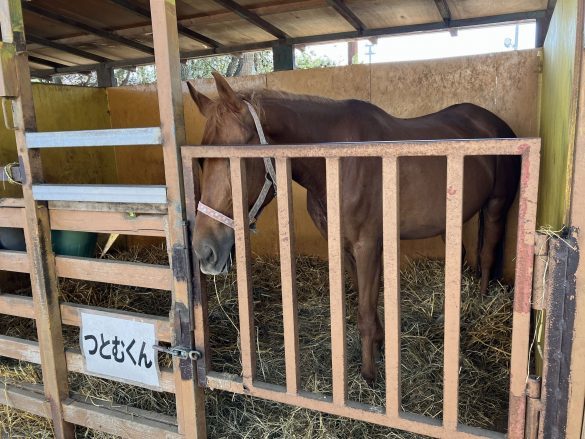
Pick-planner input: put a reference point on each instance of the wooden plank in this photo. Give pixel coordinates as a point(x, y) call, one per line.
point(15, 261)
point(109, 207)
point(117, 420)
point(108, 137)
point(523, 291)
point(115, 272)
point(364, 149)
point(190, 398)
point(336, 281)
point(243, 258)
point(19, 349)
point(453, 242)
point(124, 223)
point(391, 245)
point(12, 202)
point(44, 284)
point(18, 306)
point(20, 398)
point(12, 217)
point(103, 416)
point(71, 313)
point(100, 193)
point(410, 422)
point(286, 231)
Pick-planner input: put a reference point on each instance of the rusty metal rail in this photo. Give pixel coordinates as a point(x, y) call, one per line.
point(338, 404)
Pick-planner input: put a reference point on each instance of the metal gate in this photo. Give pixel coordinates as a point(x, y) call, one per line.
point(391, 416)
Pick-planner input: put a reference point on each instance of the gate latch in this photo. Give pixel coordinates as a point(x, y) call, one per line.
point(179, 351)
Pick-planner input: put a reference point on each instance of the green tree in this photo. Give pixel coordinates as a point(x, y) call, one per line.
point(308, 59)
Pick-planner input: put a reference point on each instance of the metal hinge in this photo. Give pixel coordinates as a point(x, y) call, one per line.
point(181, 352)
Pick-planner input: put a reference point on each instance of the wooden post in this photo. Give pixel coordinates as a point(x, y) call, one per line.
point(37, 230)
point(283, 57)
point(105, 76)
point(190, 398)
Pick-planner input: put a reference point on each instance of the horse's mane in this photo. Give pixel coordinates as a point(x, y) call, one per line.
point(257, 97)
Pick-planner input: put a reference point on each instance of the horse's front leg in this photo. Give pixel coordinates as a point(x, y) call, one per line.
point(368, 262)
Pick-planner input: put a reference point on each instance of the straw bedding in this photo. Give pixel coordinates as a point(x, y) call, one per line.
point(484, 358)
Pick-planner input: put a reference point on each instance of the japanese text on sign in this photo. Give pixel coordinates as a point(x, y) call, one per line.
point(119, 349)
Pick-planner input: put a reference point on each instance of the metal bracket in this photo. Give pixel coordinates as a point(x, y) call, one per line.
point(12, 173)
point(181, 352)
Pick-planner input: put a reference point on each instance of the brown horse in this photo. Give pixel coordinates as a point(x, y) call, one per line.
point(490, 183)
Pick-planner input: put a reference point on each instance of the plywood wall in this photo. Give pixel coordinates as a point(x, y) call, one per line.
point(506, 83)
point(66, 108)
point(562, 52)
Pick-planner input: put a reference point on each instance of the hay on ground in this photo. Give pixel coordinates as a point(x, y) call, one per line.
point(484, 358)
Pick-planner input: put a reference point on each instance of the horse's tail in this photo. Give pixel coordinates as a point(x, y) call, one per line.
point(498, 266)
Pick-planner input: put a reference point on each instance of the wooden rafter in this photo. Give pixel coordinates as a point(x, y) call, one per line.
point(183, 30)
point(444, 10)
point(349, 16)
point(65, 48)
point(532, 15)
point(252, 17)
point(46, 62)
point(88, 28)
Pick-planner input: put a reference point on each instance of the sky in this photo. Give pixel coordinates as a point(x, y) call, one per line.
point(438, 44)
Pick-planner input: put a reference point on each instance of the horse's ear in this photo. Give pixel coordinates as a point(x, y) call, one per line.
point(202, 101)
point(226, 93)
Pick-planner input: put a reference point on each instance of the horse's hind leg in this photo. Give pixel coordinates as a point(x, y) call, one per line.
point(368, 265)
point(495, 212)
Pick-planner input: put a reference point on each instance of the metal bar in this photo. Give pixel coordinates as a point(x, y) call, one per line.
point(44, 285)
point(409, 422)
point(65, 48)
point(100, 193)
point(376, 149)
point(192, 196)
point(469, 22)
point(86, 27)
point(109, 137)
point(336, 281)
point(183, 30)
point(391, 245)
point(523, 290)
point(286, 232)
point(453, 242)
point(243, 258)
point(349, 16)
point(252, 17)
point(190, 399)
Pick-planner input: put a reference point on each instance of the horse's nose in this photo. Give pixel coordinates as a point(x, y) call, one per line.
point(206, 254)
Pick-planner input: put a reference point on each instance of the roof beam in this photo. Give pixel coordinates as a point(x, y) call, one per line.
point(344, 10)
point(183, 30)
point(505, 18)
point(252, 17)
point(46, 62)
point(88, 28)
point(444, 10)
point(65, 48)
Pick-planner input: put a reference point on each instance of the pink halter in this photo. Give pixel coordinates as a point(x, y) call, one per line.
point(270, 180)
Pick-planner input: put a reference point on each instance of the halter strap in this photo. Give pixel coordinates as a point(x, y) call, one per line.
point(269, 181)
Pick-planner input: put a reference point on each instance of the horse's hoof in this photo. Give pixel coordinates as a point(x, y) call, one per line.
point(369, 378)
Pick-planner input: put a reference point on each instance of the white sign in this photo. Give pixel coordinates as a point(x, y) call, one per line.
point(119, 349)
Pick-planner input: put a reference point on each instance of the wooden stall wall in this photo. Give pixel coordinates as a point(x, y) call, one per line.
point(505, 83)
point(59, 108)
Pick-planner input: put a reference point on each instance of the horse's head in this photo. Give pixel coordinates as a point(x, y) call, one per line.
point(229, 121)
